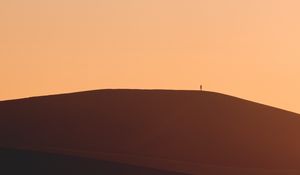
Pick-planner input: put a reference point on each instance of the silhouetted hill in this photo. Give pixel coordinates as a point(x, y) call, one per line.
point(184, 131)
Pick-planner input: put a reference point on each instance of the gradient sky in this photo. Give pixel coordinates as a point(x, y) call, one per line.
point(246, 48)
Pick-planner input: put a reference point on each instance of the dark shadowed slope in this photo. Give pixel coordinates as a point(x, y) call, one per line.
point(184, 131)
point(17, 162)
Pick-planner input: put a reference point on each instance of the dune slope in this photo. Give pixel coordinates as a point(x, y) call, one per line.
point(16, 162)
point(185, 131)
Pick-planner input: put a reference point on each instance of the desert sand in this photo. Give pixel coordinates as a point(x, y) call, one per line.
point(163, 131)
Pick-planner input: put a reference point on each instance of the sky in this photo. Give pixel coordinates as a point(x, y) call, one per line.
point(249, 49)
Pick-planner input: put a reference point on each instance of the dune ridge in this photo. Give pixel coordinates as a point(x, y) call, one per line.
point(190, 132)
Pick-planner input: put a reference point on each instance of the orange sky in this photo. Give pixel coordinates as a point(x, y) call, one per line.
point(244, 48)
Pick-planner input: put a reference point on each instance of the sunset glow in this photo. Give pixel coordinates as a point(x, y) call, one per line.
point(249, 49)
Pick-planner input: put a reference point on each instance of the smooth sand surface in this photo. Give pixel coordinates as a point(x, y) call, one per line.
point(192, 132)
point(16, 162)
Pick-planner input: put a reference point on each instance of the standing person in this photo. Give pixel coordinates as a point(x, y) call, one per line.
point(201, 87)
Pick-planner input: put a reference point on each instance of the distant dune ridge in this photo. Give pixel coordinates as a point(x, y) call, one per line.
point(192, 132)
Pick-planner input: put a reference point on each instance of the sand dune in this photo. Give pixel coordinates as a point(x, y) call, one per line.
point(183, 131)
point(39, 163)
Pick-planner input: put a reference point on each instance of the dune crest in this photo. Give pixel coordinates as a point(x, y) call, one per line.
point(184, 131)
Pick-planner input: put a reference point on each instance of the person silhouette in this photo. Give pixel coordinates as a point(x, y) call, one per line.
point(201, 87)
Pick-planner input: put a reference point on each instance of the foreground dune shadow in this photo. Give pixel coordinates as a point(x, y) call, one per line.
point(17, 162)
